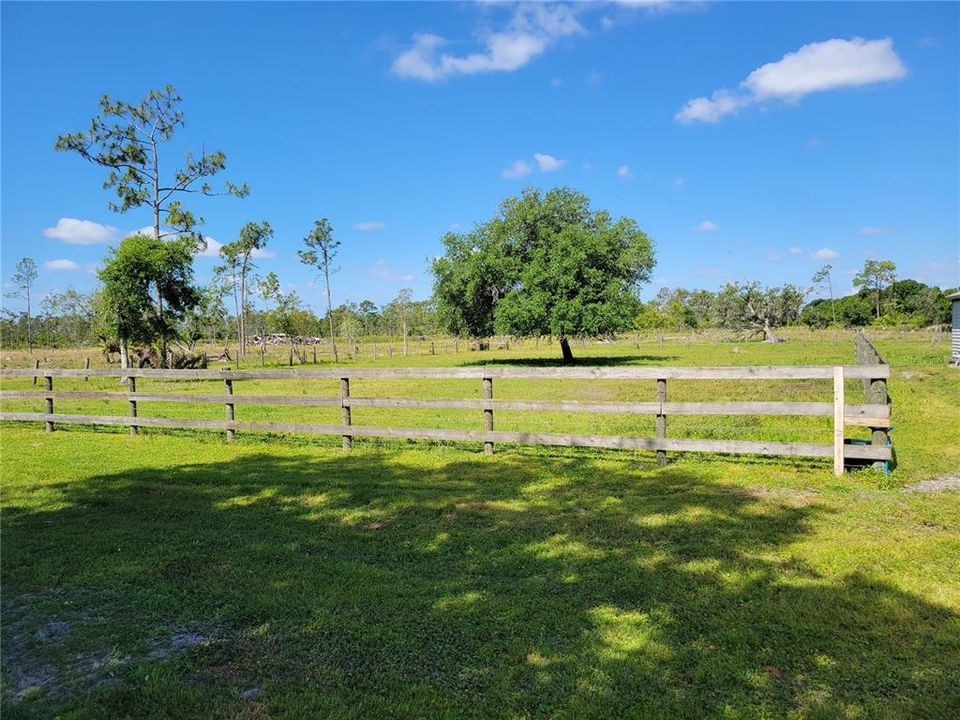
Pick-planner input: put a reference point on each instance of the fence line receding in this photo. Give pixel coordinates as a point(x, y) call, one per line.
point(874, 414)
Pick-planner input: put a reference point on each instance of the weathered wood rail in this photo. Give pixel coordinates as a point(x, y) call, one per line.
point(871, 414)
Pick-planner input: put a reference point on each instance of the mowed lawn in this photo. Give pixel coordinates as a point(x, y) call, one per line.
point(174, 575)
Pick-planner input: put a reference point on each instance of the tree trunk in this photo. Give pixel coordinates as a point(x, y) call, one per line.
point(29, 324)
point(124, 354)
point(567, 352)
point(333, 342)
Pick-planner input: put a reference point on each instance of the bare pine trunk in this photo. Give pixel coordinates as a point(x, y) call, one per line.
point(333, 342)
point(124, 354)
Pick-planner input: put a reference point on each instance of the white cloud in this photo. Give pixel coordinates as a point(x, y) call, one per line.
point(816, 67)
point(774, 255)
point(707, 226)
point(794, 250)
point(81, 232)
point(623, 171)
point(367, 225)
point(211, 249)
point(61, 265)
point(825, 254)
point(263, 254)
point(678, 182)
point(556, 82)
point(872, 230)
point(710, 110)
point(531, 30)
point(548, 163)
point(814, 144)
point(517, 169)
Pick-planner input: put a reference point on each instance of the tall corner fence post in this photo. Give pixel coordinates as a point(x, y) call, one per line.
point(838, 420)
point(132, 390)
point(661, 420)
point(875, 389)
point(36, 366)
point(347, 440)
point(488, 413)
point(229, 408)
point(48, 386)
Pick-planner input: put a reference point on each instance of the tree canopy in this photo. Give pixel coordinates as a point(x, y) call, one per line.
point(128, 139)
point(147, 289)
point(545, 264)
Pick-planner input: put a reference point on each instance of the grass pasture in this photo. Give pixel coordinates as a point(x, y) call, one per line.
point(174, 575)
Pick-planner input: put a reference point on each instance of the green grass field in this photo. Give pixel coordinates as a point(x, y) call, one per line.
point(173, 575)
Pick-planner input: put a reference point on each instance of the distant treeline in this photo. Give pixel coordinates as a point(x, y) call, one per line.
point(75, 319)
point(903, 303)
point(72, 318)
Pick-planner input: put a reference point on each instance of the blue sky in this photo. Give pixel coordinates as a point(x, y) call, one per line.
point(749, 140)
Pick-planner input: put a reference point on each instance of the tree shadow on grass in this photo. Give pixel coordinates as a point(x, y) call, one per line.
point(589, 361)
point(376, 584)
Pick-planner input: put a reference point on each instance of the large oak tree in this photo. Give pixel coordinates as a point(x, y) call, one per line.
point(545, 264)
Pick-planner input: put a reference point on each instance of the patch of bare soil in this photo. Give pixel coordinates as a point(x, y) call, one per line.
point(52, 649)
point(940, 484)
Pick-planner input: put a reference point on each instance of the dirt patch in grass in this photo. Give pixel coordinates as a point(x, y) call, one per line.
point(48, 650)
point(940, 484)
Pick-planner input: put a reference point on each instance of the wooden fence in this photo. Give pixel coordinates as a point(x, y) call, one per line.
point(871, 414)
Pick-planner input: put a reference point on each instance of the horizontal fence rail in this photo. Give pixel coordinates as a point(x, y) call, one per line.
point(871, 414)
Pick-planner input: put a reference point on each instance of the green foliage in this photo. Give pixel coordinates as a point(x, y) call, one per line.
point(757, 309)
point(22, 280)
point(875, 276)
point(320, 253)
point(546, 264)
point(127, 138)
point(908, 303)
point(147, 287)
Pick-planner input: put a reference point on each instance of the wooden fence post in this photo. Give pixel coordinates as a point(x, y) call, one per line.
point(661, 420)
point(838, 420)
point(874, 389)
point(488, 413)
point(48, 385)
point(345, 410)
point(231, 433)
point(86, 366)
point(132, 388)
point(36, 366)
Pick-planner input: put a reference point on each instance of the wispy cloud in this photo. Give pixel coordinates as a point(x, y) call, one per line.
point(794, 250)
point(872, 230)
point(368, 225)
point(825, 254)
point(548, 163)
point(623, 171)
point(814, 144)
point(530, 31)
point(61, 265)
point(815, 67)
point(81, 232)
point(541, 163)
point(707, 226)
point(517, 169)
